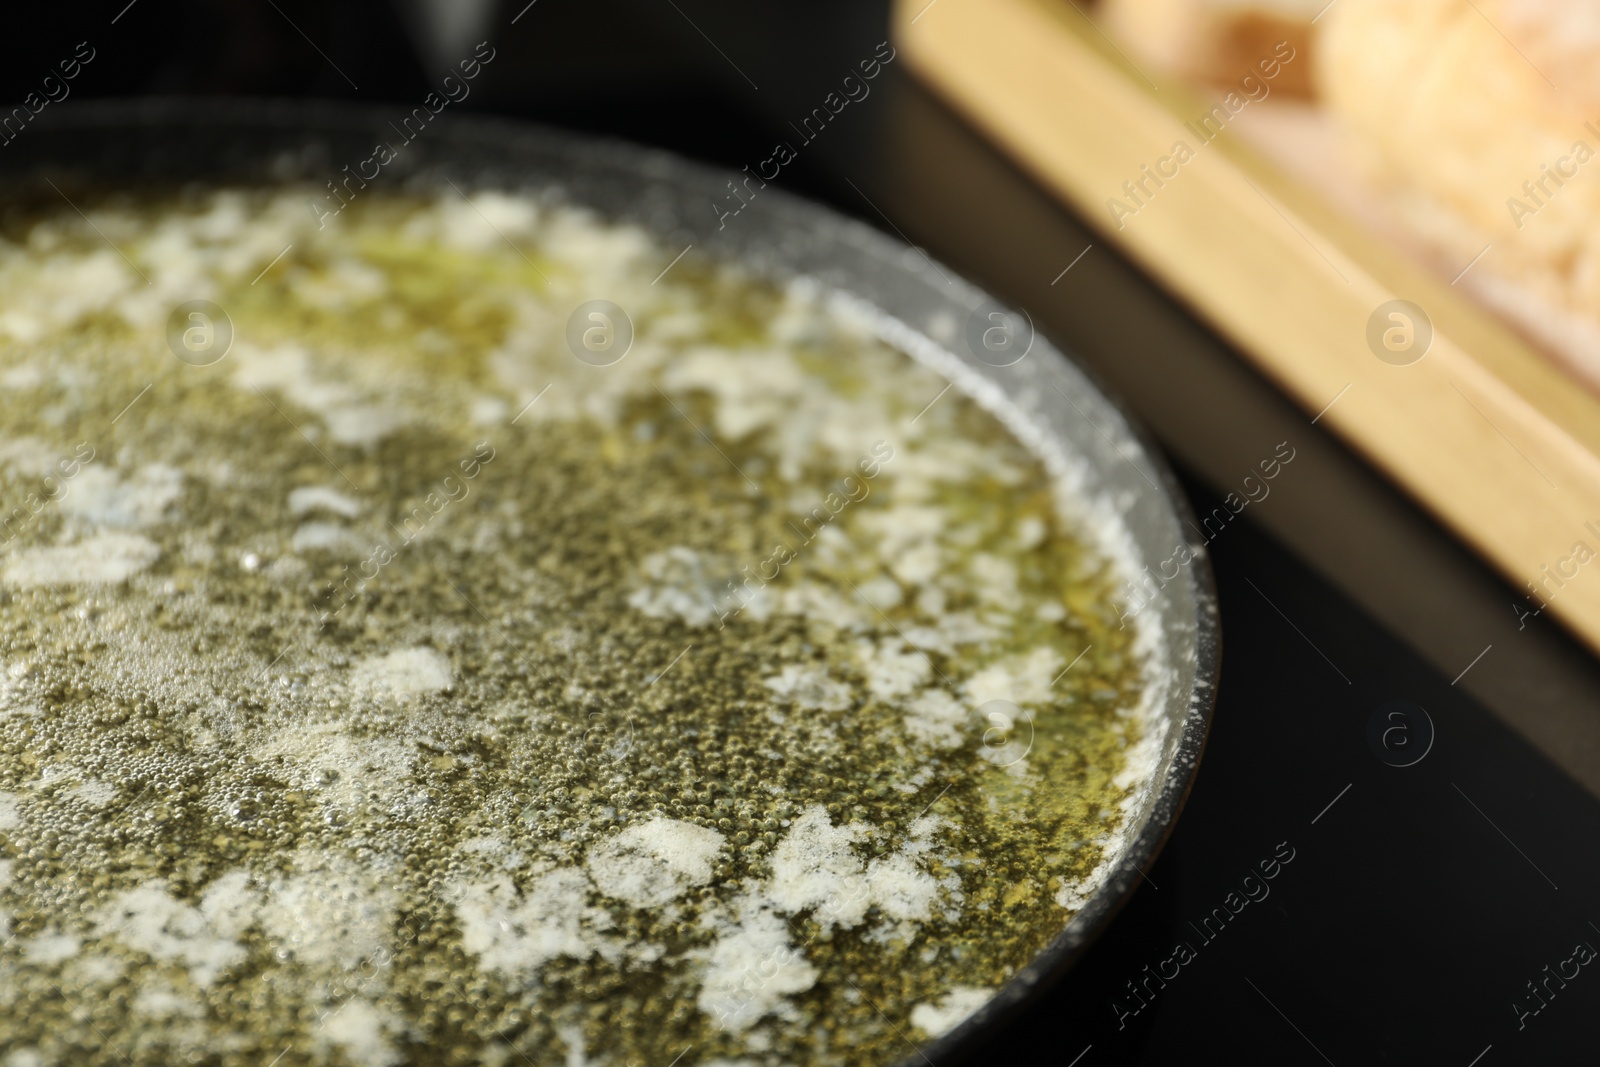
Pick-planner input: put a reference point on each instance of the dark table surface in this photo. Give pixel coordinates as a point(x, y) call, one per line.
point(1439, 911)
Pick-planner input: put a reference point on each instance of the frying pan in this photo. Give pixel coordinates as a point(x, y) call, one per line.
point(919, 305)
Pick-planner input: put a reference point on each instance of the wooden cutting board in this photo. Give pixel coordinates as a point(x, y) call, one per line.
point(1497, 442)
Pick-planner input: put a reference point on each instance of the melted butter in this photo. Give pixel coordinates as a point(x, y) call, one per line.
point(402, 689)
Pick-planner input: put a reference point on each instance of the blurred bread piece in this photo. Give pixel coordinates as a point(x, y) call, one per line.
point(1217, 41)
point(1451, 109)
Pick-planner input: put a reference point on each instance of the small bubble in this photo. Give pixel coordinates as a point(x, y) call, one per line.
point(250, 562)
